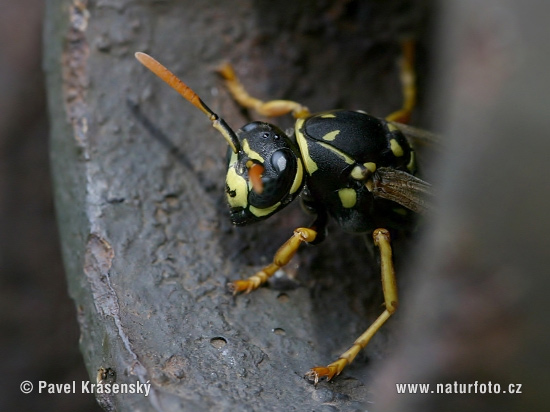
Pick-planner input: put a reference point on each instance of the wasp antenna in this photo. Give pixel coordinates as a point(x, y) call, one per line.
point(188, 94)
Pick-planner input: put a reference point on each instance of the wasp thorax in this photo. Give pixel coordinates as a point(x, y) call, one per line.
point(282, 177)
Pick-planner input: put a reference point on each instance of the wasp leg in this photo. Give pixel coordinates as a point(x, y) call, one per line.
point(281, 258)
point(408, 80)
point(271, 108)
point(389, 286)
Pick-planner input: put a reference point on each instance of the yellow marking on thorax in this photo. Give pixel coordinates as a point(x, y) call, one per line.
point(391, 127)
point(327, 116)
point(334, 150)
point(309, 163)
point(348, 197)
point(396, 148)
point(359, 172)
point(369, 184)
point(371, 166)
point(411, 166)
point(329, 137)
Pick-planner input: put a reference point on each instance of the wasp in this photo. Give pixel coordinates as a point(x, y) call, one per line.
point(346, 165)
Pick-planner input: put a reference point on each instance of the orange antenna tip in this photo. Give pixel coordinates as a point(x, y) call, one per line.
point(188, 94)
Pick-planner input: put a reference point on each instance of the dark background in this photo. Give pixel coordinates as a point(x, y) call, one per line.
point(38, 329)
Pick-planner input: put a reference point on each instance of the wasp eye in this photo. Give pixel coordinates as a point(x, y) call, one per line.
point(265, 135)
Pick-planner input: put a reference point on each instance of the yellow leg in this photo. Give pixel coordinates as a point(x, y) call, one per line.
point(281, 258)
point(389, 286)
point(270, 108)
point(408, 80)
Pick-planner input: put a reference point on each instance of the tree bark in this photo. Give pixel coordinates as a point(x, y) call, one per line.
point(139, 187)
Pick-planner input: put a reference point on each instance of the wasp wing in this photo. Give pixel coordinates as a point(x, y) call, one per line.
point(419, 138)
point(403, 188)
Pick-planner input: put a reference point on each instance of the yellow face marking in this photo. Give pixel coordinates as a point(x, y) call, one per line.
point(251, 153)
point(310, 164)
point(348, 197)
point(329, 137)
point(298, 178)
point(412, 163)
point(328, 116)
point(265, 211)
point(344, 156)
point(396, 148)
point(238, 185)
point(233, 159)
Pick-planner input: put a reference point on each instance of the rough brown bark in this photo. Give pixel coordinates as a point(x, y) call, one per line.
point(139, 189)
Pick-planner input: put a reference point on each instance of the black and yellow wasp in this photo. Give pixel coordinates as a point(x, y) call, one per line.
point(348, 165)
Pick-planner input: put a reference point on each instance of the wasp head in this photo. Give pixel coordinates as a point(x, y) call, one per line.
point(264, 175)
